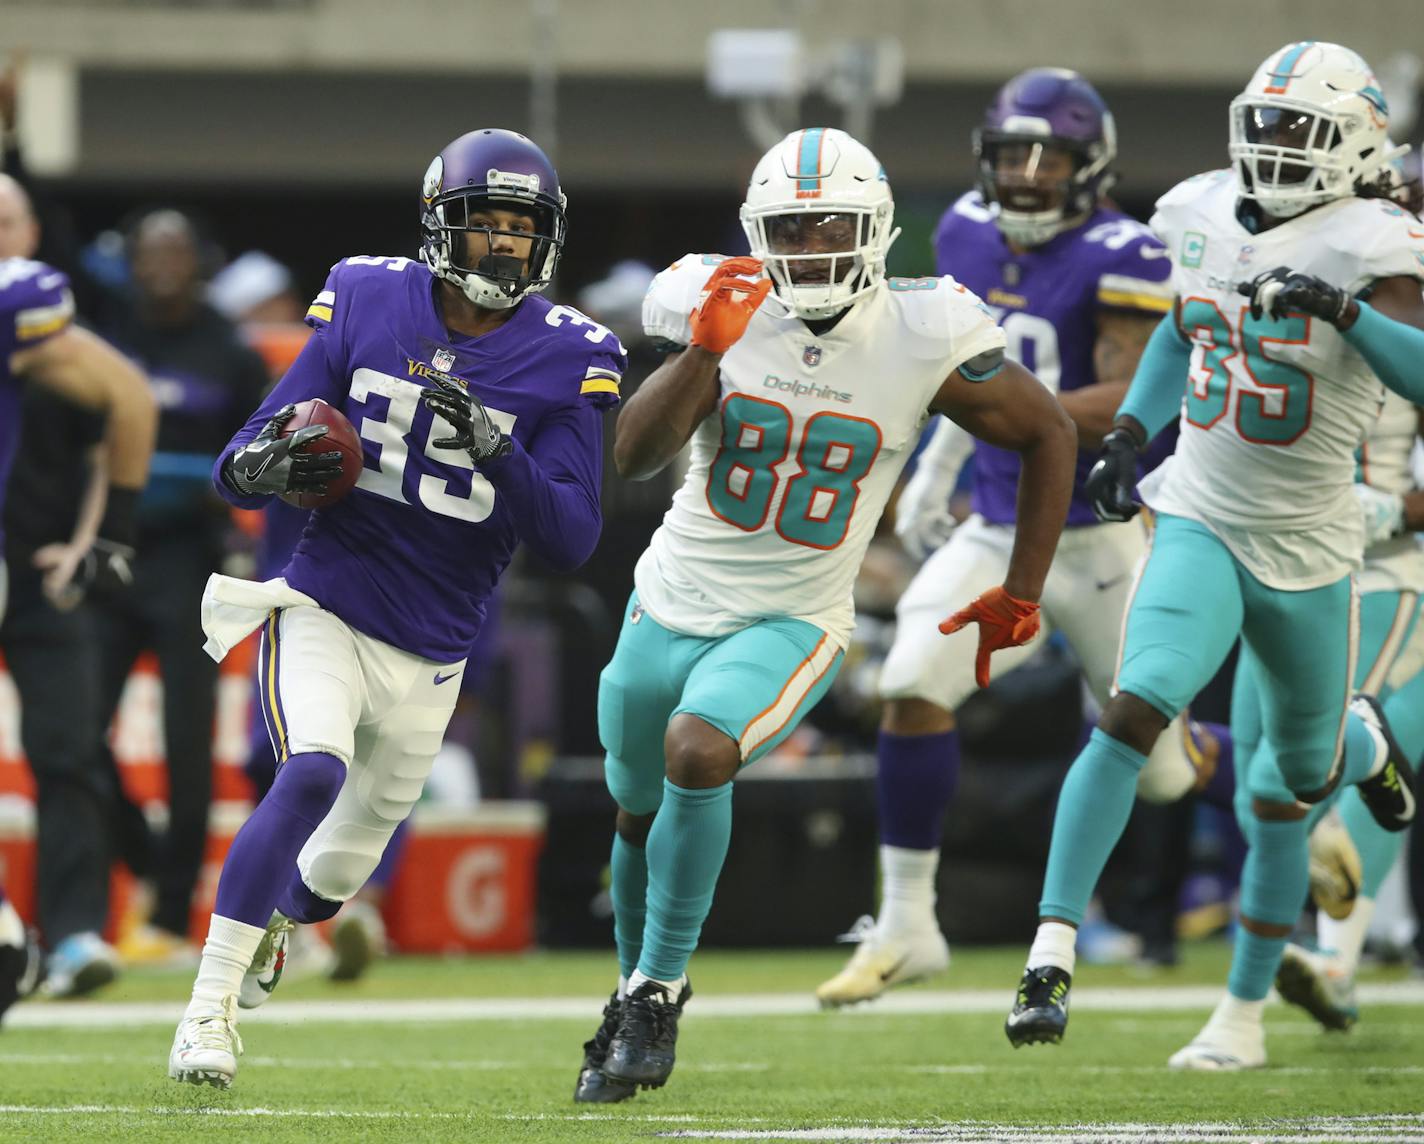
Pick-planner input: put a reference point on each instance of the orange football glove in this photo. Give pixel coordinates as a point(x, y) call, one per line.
point(727, 304)
point(1004, 621)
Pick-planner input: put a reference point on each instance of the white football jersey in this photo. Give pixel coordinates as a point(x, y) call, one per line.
point(790, 475)
point(1274, 409)
point(1396, 564)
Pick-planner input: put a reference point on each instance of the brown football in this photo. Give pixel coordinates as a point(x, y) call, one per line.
point(340, 435)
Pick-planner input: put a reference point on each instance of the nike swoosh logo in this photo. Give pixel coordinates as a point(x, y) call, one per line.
point(1104, 585)
point(439, 679)
point(894, 969)
point(251, 475)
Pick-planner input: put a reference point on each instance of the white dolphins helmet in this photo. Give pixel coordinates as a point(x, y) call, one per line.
point(1308, 129)
point(819, 213)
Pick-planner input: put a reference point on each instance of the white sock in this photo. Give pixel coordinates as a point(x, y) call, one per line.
point(622, 987)
point(227, 954)
point(1234, 1015)
point(12, 926)
point(1053, 944)
point(1345, 939)
point(671, 988)
point(907, 903)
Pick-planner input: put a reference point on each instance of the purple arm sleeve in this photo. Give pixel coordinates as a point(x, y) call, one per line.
point(311, 375)
point(552, 487)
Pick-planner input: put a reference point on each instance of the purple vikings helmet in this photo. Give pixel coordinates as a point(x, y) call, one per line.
point(490, 169)
point(1038, 109)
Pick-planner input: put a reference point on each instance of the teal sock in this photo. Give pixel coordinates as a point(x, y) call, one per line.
point(1093, 809)
point(686, 848)
point(1274, 883)
point(1359, 751)
point(1378, 847)
point(628, 869)
point(1254, 961)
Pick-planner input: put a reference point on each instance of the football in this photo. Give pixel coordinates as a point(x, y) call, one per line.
point(340, 435)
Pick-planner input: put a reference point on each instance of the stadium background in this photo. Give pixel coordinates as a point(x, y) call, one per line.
point(301, 128)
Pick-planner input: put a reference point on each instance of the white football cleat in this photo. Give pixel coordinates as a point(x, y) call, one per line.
point(267, 963)
point(1220, 1049)
point(206, 1048)
point(1320, 985)
point(882, 962)
point(1335, 872)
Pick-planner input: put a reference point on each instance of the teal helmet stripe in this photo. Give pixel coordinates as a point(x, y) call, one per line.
point(1284, 71)
point(1376, 97)
point(808, 160)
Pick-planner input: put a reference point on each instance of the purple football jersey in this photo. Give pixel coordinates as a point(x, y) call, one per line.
point(35, 305)
point(1047, 300)
point(412, 555)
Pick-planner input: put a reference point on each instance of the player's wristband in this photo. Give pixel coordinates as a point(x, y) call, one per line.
point(120, 512)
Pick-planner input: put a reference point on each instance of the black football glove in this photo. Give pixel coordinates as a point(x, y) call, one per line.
point(107, 569)
point(1112, 480)
point(1279, 291)
point(271, 464)
point(475, 430)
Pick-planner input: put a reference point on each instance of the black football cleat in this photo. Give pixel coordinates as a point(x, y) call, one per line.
point(644, 1046)
point(1388, 795)
point(21, 970)
point(593, 1087)
point(1040, 1013)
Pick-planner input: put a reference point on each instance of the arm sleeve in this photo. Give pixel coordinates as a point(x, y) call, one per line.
point(1155, 396)
point(1394, 350)
point(311, 375)
point(552, 487)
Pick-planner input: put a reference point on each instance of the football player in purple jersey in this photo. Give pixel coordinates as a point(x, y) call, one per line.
point(479, 404)
point(1078, 287)
point(39, 342)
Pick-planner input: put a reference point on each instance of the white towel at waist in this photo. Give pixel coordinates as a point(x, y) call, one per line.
point(233, 609)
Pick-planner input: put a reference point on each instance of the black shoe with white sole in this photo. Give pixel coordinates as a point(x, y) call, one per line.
point(1389, 794)
point(1040, 1013)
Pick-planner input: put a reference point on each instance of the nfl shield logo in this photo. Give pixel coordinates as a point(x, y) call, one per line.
point(812, 356)
point(443, 360)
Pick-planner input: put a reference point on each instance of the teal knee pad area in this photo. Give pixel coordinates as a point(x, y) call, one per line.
point(1184, 616)
point(686, 848)
point(1093, 809)
point(636, 694)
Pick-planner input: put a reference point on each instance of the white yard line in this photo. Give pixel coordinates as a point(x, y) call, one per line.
point(1399, 1129)
point(95, 1014)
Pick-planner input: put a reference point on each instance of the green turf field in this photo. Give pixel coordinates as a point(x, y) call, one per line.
point(440, 1050)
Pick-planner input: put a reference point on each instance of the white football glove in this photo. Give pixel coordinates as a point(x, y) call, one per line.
point(923, 521)
point(1383, 512)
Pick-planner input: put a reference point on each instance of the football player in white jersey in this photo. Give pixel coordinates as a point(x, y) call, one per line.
point(1258, 530)
point(1081, 286)
point(803, 378)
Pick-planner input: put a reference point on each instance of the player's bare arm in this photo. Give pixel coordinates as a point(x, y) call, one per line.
point(657, 421)
point(88, 371)
point(661, 417)
point(1014, 411)
point(1121, 339)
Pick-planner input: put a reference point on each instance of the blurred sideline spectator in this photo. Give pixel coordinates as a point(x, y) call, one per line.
point(205, 378)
